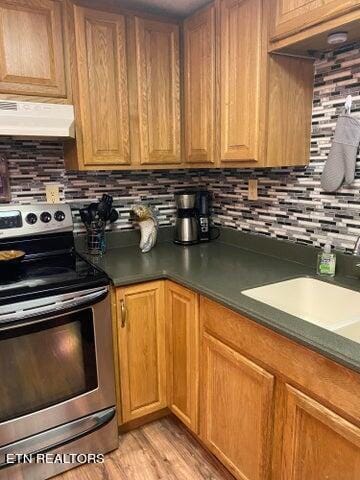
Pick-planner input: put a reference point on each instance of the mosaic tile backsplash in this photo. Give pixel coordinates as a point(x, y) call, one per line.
point(291, 204)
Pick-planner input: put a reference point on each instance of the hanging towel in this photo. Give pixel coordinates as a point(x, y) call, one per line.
point(341, 161)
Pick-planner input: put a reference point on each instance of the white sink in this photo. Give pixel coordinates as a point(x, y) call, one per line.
point(328, 306)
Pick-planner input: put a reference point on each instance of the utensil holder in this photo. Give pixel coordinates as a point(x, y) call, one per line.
point(96, 238)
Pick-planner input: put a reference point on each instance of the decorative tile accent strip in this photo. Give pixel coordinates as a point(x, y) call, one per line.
point(291, 204)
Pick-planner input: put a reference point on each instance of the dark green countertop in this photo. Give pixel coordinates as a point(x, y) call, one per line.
point(221, 271)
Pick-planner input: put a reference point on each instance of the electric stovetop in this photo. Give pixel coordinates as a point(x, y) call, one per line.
point(51, 266)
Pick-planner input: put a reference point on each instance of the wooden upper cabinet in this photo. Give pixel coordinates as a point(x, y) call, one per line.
point(236, 410)
point(182, 320)
point(32, 59)
point(141, 329)
point(290, 110)
point(293, 16)
point(126, 85)
point(240, 79)
point(199, 78)
point(318, 444)
point(158, 84)
point(102, 87)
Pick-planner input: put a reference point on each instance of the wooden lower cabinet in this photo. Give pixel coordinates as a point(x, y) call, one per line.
point(182, 322)
point(318, 444)
point(141, 339)
point(236, 410)
point(259, 425)
point(265, 406)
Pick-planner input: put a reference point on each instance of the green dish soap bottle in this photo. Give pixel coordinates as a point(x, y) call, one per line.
point(326, 262)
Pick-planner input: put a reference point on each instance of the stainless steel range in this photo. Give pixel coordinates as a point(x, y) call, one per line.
point(57, 393)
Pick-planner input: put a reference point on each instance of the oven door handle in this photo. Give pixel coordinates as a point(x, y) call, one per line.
point(52, 305)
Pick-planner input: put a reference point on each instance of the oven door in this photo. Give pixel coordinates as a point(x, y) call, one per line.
point(56, 363)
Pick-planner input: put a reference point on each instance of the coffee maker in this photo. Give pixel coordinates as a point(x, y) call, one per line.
point(203, 213)
point(186, 225)
point(193, 217)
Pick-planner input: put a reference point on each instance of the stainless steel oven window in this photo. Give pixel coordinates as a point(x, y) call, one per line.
point(46, 363)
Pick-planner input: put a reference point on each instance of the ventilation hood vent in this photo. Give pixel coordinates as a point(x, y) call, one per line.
point(25, 119)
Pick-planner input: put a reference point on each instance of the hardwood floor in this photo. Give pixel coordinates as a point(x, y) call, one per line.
point(163, 449)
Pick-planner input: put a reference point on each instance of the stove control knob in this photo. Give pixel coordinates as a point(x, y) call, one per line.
point(45, 217)
point(31, 218)
point(59, 216)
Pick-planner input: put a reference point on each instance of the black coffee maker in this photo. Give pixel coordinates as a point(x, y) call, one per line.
point(203, 214)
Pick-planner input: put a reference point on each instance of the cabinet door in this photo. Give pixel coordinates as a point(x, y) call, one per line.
point(142, 349)
point(290, 111)
point(32, 49)
point(292, 16)
point(199, 74)
point(236, 410)
point(102, 87)
point(240, 78)
point(182, 321)
point(157, 58)
point(318, 444)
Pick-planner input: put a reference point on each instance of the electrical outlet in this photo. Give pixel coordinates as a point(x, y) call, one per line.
point(253, 189)
point(52, 193)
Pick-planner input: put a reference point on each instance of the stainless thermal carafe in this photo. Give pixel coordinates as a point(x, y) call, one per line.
point(186, 225)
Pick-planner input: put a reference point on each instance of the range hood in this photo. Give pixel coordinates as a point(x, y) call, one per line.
point(26, 119)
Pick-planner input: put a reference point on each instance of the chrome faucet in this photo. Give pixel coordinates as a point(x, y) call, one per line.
point(356, 249)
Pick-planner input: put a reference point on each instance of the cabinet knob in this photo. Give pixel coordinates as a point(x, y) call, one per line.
point(123, 313)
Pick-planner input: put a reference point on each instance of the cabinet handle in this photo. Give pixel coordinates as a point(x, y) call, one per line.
point(123, 313)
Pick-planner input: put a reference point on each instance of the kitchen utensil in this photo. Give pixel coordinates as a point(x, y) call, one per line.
point(93, 211)
point(85, 216)
point(113, 216)
point(108, 199)
point(104, 210)
point(104, 207)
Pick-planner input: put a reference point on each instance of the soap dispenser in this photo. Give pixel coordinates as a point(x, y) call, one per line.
point(326, 262)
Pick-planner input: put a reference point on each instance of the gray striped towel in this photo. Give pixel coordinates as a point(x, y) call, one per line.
point(341, 161)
